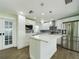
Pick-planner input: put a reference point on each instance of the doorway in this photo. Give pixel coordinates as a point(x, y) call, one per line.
point(6, 33)
point(71, 38)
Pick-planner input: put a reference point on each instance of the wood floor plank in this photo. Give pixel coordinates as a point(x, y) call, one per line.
point(14, 53)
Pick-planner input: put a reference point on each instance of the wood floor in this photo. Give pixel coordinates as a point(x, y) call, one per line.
point(65, 54)
point(13, 53)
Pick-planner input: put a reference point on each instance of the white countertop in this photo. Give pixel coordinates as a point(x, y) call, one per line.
point(46, 37)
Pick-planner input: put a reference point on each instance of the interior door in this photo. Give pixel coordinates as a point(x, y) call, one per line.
point(7, 34)
point(1, 41)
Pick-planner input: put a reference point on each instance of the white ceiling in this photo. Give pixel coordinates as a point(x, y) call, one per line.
point(58, 7)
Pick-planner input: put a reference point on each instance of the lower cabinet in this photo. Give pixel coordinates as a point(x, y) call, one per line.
point(41, 49)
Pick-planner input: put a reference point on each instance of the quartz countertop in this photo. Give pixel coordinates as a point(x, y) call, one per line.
point(46, 37)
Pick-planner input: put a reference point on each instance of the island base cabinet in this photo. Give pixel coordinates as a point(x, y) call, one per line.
point(41, 49)
point(34, 49)
point(47, 49)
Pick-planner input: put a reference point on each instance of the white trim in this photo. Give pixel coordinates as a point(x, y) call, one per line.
point(4, 17)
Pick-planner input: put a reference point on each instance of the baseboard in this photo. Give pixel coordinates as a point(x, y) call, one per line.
point(20, 47)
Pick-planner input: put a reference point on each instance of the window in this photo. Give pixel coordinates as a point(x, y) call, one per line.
point(68, 1)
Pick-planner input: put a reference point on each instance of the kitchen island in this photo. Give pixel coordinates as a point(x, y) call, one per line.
point(43, 46)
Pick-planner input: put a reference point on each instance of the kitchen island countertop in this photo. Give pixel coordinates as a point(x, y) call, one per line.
point(46, 36)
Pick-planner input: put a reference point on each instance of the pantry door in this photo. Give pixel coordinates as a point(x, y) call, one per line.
point(7, 34)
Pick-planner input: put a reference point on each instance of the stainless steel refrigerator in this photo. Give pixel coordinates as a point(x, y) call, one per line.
point(70, 39)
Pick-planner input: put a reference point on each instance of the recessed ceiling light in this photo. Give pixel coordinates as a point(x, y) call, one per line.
point(50, 11)
point(42, 4)
point(42, 13)
point(31, 11)
point(34, 17)
point(21, 12)
point(42, 21)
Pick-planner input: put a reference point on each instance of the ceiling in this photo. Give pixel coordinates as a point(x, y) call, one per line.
point(58, 7)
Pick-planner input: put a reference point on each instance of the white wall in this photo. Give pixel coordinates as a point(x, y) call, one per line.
point(21, 32)
point(59, 23)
